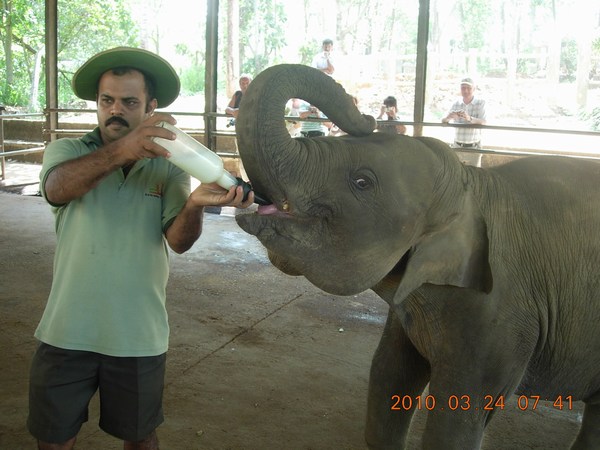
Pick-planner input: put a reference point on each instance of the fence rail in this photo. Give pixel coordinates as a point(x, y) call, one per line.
point(210, 135)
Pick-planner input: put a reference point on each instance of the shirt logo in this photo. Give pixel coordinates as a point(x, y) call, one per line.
point(155, 191)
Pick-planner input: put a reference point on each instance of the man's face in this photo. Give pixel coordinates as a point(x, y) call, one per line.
point(327, 47)
point(122, 104)
point(466, 91)
point(244, 82)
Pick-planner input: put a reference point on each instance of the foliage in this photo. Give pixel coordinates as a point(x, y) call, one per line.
point(475, 15)
point(192, 77)
point(192, 80)
point(596, 46)
point(84, 29)
point(262, 34)
point(568, 60)
point(593, 117)
point(307, 51)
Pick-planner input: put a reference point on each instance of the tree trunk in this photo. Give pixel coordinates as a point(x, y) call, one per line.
point(8, 43)
point(233, 46)
point(584, 52)
point(35, 80)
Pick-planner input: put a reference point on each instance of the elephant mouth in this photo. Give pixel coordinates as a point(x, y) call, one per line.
point(273, 210)
point(277, 227)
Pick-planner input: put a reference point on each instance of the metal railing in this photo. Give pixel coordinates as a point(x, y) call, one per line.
point(211, 133)
point(4, 154)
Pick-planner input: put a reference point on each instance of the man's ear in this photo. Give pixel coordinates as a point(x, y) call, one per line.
point(151, 106)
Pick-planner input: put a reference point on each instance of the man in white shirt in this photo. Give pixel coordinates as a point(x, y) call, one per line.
point(323, 60)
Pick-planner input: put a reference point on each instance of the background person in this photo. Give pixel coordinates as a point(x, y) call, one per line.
point(118, 203)
point(292, 109)
point(467, 110)
point(323, 60)
point(390, 110)
point(233, 107)
point(313, 128)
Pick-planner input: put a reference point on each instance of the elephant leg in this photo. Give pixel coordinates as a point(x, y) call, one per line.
point(454, 430)
point(589, 434)
point(467, 396)
point(397, 369)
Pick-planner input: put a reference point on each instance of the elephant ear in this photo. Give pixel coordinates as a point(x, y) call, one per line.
point(455, 254)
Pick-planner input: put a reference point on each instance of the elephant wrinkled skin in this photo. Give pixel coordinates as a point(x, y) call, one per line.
point(492, 276)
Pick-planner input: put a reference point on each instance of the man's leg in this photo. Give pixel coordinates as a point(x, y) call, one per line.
point(61, 384)
point(64, 446)
point(131, 390)
point(150, 443)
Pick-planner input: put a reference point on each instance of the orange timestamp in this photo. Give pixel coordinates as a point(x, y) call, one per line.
point(464, 403)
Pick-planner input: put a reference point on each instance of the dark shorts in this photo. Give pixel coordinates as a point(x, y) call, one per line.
point(62, 383)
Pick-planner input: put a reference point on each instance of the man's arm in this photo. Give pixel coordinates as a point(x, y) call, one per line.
point(231, 109)
point(452, 115)
point(330, 69)
point(187, 226)
point(481, 118)
point(74, 178)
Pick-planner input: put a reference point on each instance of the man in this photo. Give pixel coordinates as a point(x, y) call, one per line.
point(312, 128)
point(118, 202)
point(390, 109)
point(233, 107)
point(323, 60)
point(467, 110)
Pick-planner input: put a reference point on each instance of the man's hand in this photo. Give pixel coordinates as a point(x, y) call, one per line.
point(454, 115)
point(139, 143)
point(463, 115)
point(187, 226)
point(211, 194)
point(74, 178)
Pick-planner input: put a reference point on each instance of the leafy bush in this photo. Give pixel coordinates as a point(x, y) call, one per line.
point(192, 80)
point(594, 118)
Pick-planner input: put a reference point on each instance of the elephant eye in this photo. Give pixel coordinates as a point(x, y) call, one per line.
point(362, 183)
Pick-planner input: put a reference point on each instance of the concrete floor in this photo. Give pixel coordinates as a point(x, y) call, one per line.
point(258, 360)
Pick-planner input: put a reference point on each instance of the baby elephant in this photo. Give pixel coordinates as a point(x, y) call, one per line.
point(492, 275)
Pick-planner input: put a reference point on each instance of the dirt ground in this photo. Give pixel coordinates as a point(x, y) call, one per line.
point(258, 360)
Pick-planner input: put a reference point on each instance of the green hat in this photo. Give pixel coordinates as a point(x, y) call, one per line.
point(166, 82)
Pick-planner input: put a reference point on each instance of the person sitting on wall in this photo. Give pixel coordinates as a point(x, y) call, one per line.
point(233, 107)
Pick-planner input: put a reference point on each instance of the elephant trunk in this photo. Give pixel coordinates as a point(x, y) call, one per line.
point(263, 139)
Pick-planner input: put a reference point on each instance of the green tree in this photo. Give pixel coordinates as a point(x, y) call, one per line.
point(262, 33)
point(22, 33)
point(84, 29)
point(475, 16)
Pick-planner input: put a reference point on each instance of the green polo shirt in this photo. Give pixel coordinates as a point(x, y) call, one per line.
point(112, 263)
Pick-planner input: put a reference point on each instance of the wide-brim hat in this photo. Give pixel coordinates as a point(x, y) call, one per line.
point(166, 82)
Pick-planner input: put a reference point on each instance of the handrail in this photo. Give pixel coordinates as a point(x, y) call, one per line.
point(17, 115)
point(3, 154)
point(220, 132)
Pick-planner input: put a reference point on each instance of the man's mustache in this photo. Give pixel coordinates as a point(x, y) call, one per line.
point(117, 119)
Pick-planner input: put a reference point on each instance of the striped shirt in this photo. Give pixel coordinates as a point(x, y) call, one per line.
point(475, 109)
